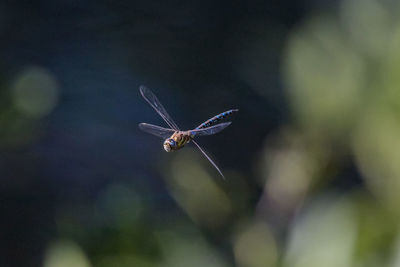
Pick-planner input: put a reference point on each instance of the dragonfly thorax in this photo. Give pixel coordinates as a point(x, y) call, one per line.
point(178, 140)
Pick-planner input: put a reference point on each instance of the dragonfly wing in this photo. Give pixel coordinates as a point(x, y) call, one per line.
point(210, 130)
point(156, 104)
point(209, 159)
point(164, 133)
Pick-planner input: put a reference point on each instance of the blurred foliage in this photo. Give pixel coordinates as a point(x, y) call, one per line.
point(340, 70)
point(299, 206)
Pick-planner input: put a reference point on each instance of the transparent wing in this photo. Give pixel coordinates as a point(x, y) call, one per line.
point(155, 103)
point(210, 130)
point(164, 133)
point(209, 159)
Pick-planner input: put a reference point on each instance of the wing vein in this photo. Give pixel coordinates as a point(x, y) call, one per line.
point(164, 133)
point(209, 159)
point(210, 130)
point(158, 107)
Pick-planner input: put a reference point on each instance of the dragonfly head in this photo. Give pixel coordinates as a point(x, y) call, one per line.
point(169, 144)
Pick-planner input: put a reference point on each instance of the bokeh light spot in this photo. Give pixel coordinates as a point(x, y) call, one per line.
point(189, 249)
point(197, 192)
point(255, 247)
point(35, 92)
point(324, 236)
point(377, 148)
point(65, 254)
point(324, 77)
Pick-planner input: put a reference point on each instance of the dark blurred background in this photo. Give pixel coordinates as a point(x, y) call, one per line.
point(311, 160)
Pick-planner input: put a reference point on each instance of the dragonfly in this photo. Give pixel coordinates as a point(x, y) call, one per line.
point(174, 138)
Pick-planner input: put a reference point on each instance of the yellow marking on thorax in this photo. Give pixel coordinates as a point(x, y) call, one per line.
point(181, 139)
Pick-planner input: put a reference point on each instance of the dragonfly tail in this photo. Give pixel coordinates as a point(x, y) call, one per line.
point(216, 119)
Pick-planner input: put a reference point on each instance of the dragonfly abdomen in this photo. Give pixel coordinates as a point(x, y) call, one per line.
point(215, 119)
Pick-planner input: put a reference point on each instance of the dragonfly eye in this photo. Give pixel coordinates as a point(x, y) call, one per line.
point(169, 144)
point(172, 142)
